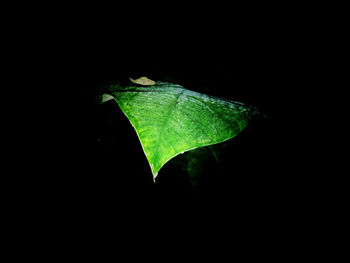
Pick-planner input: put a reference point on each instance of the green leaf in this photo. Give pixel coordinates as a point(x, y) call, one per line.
point(170, 120)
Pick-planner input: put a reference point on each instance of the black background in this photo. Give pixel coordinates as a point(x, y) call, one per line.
point(90, 174)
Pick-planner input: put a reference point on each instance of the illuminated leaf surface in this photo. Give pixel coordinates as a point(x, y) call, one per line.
point(170, 120)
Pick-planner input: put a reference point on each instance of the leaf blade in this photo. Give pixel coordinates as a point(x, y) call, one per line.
point(170, 120)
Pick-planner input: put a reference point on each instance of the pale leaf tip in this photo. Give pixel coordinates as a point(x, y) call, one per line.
point(143, 81)
point(106, 97)
point(154, 177)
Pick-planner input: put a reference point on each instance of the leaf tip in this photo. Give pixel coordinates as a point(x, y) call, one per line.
point(106, 97)
point(154, 177)
point(143, 81)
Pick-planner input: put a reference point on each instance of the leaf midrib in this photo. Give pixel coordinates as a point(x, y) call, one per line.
point(169, 113)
